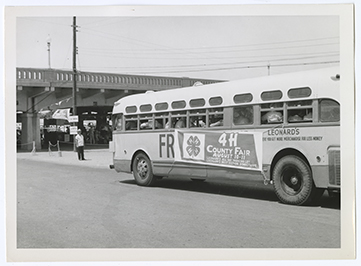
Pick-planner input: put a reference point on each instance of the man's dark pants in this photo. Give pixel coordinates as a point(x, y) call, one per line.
point(80, 150)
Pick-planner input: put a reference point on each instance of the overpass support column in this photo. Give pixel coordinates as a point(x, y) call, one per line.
point(30, 131)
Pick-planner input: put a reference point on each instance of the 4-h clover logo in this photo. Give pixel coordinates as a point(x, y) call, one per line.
point(193, 146)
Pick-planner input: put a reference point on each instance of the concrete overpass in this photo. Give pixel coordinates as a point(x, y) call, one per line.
point(39, 89)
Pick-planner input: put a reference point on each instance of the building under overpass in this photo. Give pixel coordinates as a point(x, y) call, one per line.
point(39, 90)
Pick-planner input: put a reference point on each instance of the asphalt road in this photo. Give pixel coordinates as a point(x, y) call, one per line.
point(61, 206)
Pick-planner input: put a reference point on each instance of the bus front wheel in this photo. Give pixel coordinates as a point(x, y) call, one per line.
point(292, 180)
point(142, 170)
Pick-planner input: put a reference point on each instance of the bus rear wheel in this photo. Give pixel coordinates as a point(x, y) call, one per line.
point(292, 181)
point(142, 170)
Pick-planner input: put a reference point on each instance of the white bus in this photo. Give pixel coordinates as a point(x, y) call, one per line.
point(283, 129)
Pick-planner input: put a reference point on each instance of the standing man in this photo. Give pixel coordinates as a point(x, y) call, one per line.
point(91, 133)
point(79, 144)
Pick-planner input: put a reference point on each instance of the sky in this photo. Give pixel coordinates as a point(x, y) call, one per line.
point(210, 47)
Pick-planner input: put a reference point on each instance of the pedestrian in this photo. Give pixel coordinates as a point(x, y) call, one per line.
point(79, 144)
point(91, 133)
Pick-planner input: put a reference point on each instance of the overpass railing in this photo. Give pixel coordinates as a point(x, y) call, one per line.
point(33, 75)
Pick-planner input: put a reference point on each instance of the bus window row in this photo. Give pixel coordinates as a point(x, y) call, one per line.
point(300, 112)
point(296, 112)
point(181, 119)
point(218, 100)
point(271, 113)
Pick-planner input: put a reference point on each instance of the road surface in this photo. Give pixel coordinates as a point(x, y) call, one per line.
point(60, 206)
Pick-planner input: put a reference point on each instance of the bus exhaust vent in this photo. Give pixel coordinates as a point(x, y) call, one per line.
point(334, 168)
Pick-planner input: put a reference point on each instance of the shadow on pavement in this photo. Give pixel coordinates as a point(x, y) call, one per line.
point(244, 189)
point(253, 191)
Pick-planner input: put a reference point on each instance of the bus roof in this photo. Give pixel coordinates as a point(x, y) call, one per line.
point(322, 83)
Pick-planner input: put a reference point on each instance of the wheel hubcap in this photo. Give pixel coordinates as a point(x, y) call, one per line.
point(291, 181)
point(142, 168)
point(294, 180)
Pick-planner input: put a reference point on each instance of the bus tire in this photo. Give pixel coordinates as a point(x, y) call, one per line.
point(292, 181)
point(142, 170)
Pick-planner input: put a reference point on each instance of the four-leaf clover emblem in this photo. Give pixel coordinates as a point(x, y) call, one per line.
point(193, 146)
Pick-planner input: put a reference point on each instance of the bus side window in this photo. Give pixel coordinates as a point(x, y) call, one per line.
point(181, 123)
point(131, 122)
point(178, 120)
point(243, 115)
point(131, 125)
point(272, 113)
point(197, 118)
point(295, 116)
point(117, 122)
point(216, 117)
point(299, 112)
point(146, 124)
point(329, 111)
point(272, 117)
point(197, 121)
point(159, 123)
point(161, 120)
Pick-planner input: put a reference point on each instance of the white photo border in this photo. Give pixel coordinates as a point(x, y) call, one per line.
point(347, 250)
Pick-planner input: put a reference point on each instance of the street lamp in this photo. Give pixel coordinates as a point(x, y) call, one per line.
point(48, 41)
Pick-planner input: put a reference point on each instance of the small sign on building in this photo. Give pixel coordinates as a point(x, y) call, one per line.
point(73, 118)
point(73, 130)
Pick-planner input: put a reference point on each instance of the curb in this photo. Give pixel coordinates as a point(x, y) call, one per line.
point(94, 158)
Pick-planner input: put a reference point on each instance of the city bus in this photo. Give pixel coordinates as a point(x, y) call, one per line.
point(281, 129)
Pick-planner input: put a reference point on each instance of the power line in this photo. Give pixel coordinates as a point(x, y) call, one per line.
point(49, 93)
point(46, 22)
point(200, 48)
point(157, 52)
point(93, 51)
point(197, 54)
point(117, 37)
point(270, 43)
point(68, 52)
point(240, 67)
point(119, 21)
point(228, 63)
point(200, 52)
point(191, 50)
point(204, 54)
point(266, 57)
point(111, 36)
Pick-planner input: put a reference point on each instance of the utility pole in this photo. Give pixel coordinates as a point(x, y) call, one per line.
point(74, 73)
point(74, 66)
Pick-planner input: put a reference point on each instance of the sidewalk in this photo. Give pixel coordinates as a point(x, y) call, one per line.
point(99, 158)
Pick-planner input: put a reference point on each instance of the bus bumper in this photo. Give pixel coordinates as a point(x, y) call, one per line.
point(122, 166)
